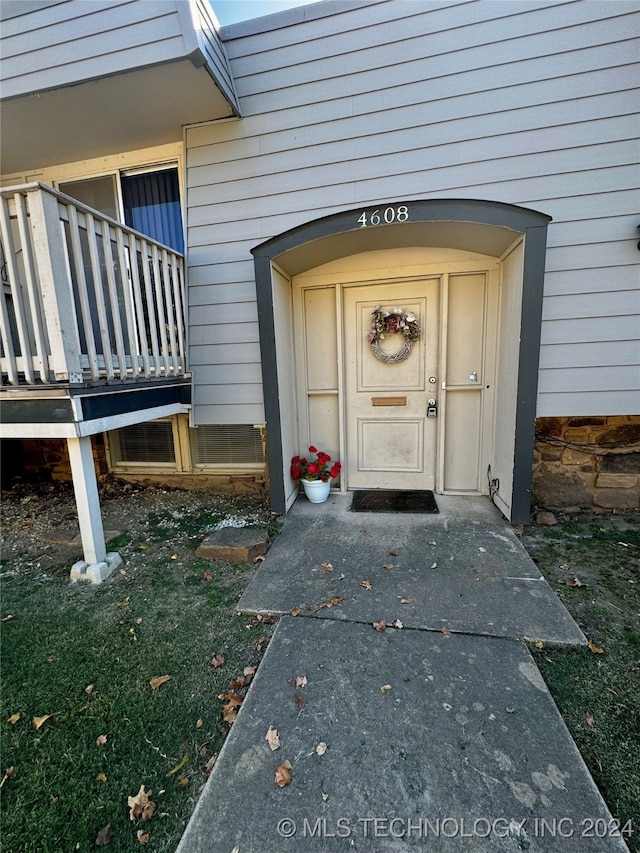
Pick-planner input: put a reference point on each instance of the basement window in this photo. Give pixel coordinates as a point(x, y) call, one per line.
point(146, 444)
point(171, 444)
point(237, 444)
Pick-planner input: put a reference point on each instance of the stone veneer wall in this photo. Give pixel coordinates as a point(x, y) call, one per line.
point(587, 461)
point(48, 458)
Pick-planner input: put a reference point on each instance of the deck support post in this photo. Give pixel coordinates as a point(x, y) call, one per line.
point(97, 564)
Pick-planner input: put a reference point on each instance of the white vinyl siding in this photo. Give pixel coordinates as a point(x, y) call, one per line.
point(529, 103)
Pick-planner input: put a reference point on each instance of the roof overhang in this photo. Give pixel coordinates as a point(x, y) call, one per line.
point(123, 112)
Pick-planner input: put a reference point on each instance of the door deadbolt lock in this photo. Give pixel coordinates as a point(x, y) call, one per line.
point(432, 408)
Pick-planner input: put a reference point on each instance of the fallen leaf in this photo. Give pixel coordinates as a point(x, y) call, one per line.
point(482, 550)
point(249, 671)
point(574, 582)
point(302, 703)
point(101, 777)
point(174, 556)
point(260, 643)
point(139, 620)
point(143, 547)
point(596, 650)
point(510, 710)
point(123, 603)
point(393, 553)
point(272, 739)
point(230, 710)
point(321, 748)
point(405, 601)
point(258, 559)
point(217, 660)
point(387, 566)
point(325, 797)
point(159, 680)
point(294, 612)
point(141, 807)
point(398, 624)
point(13, 719)
point(380, 626)
point(334, 602)
point(182, 763)
point(434, 565)
point(182, 782)
point(143, 837)
point(326, 567)
point(283, 774)
point(385, 687)
point(39, 721)
point(104, 836)
point(239, 683)
point(208, 767)
point(589, 719)
point(199, 723)
point(9, 773)
point(433, 542)
point(445, 631)
point(301, 681)
point(207, 576)
point(365, 584)
point(89, 689)
point(101, 740)
point(539, 644)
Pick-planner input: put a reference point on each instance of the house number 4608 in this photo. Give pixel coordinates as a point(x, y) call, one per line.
point(388, 215)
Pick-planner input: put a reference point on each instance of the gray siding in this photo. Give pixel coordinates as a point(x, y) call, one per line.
point(528, 103)
point(213, 51)
point(47, 45)
point(63, 43)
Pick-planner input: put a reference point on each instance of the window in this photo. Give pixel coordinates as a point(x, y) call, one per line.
point(171, 444)
point(149, 443)
point(150, 201)
point(224, 445)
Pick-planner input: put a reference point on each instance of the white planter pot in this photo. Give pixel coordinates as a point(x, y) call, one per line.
point(316, 491)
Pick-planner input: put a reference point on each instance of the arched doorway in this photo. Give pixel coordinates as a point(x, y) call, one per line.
point(503, 246)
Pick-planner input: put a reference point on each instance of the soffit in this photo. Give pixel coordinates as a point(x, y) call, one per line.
point(125, 112)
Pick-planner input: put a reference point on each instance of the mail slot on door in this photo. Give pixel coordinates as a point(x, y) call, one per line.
point(432, 408)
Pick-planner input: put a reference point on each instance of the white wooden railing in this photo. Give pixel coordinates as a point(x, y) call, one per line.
point(83, 297)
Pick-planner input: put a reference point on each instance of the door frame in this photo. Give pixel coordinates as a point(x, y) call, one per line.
point(487, 227)
point(335, 280)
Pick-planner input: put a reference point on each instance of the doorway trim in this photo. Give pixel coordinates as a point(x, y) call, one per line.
point(484, 226)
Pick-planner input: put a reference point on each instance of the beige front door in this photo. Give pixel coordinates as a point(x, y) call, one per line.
point(390, 441)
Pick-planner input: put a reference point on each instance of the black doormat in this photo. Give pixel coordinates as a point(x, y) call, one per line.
point(393, 501)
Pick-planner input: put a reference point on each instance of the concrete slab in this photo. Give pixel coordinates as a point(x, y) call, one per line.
point(464, 569)
point(235, 544)
point(465, 752)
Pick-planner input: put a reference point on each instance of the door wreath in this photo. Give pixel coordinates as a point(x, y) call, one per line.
point(389, 323)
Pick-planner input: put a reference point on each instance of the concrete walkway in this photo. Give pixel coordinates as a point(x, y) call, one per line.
point(443, 740)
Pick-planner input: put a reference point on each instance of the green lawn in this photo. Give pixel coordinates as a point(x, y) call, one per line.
point(166, 617)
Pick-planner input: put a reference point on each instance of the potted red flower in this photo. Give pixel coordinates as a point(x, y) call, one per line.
point(315, 474)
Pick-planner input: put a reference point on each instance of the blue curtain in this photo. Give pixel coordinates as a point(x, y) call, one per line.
point(152, 206)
